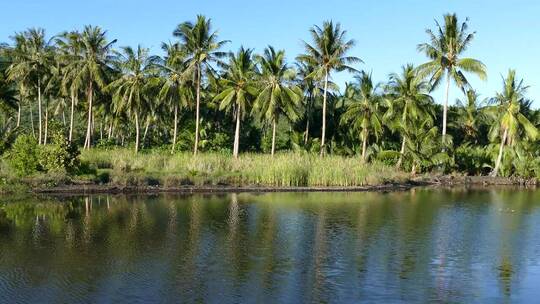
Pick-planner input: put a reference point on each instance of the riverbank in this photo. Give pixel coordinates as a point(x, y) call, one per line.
point(443, 181)
point(122, 171)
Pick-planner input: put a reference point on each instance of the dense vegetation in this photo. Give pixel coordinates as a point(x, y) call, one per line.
point(78, 89)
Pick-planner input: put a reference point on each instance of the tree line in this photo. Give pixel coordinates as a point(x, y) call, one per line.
point(197, 96)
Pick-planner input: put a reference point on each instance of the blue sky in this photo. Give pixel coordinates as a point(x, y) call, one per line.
point(386, 32)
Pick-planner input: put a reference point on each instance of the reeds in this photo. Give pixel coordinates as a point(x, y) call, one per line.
point(282, 170)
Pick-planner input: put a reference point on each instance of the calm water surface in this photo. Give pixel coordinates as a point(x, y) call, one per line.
point(409, 247)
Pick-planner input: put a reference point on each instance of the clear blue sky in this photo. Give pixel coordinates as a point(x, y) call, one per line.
point(387, 32)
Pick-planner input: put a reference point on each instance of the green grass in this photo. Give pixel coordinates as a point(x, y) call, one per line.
point(123, 167)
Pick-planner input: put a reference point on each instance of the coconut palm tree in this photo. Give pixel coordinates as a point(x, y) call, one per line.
point(445, 49)
point(238, 89)
point(88, 69)
point(328, 53)
point(32, 57)
point(201, 46)
point(310, 88)
point(364, 112)
point(408, 103)
point(278, 96)
point(173, 88)
point(129, 91)
point(70, 52)
point(511, 124)
point(469, 115)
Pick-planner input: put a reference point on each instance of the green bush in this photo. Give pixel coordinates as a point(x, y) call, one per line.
point(26, 157)
point(23, 156)
point(472, 160)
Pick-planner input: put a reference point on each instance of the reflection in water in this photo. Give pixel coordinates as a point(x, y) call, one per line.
point(417, 246)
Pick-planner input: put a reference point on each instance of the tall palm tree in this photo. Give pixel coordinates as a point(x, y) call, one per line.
point(512, 124)
point(278, 94)
point(201, 46)
point(364, 111)
point(32, 58)
point(408, 103)
point(129, 91)
point(70, 52)
point(328, 53)
point(445, 49)
point(88, 69)
point(173, 88)
point(238, 89)
point(310, 88)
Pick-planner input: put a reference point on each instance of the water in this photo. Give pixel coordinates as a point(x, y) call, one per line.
point(407, 247)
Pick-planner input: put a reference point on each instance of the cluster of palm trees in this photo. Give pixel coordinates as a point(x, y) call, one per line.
point(122, 92)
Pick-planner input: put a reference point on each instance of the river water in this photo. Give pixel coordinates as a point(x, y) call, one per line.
point(418, 246)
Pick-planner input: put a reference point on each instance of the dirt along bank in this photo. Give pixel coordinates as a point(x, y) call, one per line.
point(420, 181)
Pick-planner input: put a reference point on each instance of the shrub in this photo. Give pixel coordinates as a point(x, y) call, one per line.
point(61, 155)
point(23, 156)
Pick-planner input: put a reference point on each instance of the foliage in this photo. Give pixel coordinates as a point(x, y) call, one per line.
point(23, 156)
point(78, 90)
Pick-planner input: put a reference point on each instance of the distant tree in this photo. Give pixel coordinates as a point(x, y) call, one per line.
point(238, 89)
point(129, 91)
point(512, 126)
point(278, 96)
point(445, 49)
point(328, 53)
point(201, 46)
point(364, 112)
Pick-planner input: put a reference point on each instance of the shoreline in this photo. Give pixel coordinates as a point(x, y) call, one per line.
point(430, 181)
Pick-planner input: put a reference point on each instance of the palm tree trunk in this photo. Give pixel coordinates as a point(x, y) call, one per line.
point(71, 117)
point(145, 130)
point(237, 134)
point(46, 127)
point(364, 145)
point(501, 150)
point(308, 118)
point(89, 125)
point(401, 153)
point(39, 111)
point(413, 170)
point(198, 84)
point(18, 114)
point(100, 130)
point(136, 132)
point(273, 136)
point(175, 130)
point(110, 133)
point(324, 112)
point(32, 121)
point(445, 110)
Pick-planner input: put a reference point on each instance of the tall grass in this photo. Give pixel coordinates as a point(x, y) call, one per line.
point(284, 169)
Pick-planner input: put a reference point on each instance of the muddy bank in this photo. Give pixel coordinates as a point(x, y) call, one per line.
point(434, 181)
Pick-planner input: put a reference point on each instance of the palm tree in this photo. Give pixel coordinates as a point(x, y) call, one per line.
point(70, 52)
point(88, 69)
point(238, 89)
point(129, 91)
point(512, 124)
point(408, 103)
point(364, 111)
point(469, 115)
point(173, 89)
point(32, 58)
point(278, 95)
point(310, 88)
point(201, 46)
point(328, 53)
point(445, 49)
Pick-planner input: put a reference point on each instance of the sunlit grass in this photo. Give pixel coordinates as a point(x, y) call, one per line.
point(284, 169)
